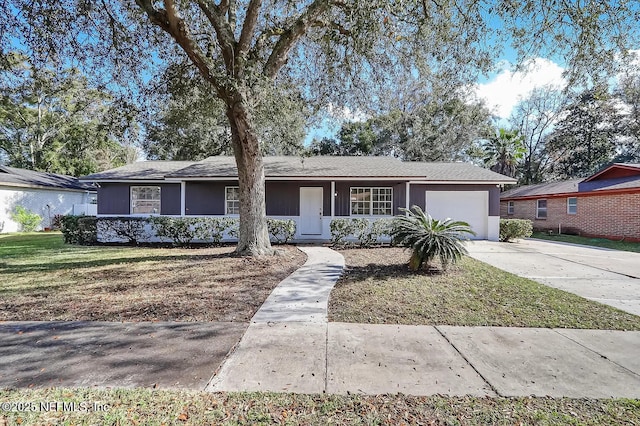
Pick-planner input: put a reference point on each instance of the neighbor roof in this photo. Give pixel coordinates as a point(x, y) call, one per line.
point(11, 176)
point(311, 167)
point(594, 183)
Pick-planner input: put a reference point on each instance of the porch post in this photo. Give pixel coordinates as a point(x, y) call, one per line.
point(333, 198)
point(407, 193)
point(183, 198)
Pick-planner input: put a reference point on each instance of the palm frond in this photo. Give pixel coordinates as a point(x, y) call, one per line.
point(429, 238)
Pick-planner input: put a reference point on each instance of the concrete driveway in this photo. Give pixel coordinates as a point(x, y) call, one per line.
point(607, 276)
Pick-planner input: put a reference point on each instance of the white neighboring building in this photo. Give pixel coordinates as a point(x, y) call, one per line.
point(46, 194)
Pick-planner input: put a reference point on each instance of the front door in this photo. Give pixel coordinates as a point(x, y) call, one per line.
point(310, 211)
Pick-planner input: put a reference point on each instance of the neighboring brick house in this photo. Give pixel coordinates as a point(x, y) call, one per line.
point(606, 204)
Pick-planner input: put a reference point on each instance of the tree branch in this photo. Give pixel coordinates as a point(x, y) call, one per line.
point(224, 34)
point(291, 36)
point(176, 27)
point(248, 27)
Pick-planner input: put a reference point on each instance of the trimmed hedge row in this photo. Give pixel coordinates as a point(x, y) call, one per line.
point(349, 232)
point(179, 231)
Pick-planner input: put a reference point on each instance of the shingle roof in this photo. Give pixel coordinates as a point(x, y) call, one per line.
point(330, 166)
point(311, 167)
point(572, 186)
point(11, 176)
point(561, 187)
point(142, 170)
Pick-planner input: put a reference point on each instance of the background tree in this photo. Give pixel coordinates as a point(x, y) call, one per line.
point(503, 151)
point(534, 118)
point(54, 122)
point(585, 139)
point(628, 94)
point(331, 49)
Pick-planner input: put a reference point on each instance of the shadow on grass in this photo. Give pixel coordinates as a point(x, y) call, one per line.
point(378, 271)
point(7, 268)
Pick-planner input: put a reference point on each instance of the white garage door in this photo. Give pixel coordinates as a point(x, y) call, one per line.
point(469, 206)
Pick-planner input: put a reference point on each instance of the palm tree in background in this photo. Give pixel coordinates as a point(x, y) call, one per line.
point(503, 151)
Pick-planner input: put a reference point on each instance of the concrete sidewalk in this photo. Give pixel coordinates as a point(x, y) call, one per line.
point(607, 276)
point(174, 355)
point(313, 356)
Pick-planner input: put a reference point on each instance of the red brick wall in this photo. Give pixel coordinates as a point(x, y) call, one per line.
point(611, 215)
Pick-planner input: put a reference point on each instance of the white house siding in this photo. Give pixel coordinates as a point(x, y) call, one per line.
point(36, 200)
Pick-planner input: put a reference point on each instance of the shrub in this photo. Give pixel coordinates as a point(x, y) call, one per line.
point(340, 230)
point(79, 229)
point(367, 233)
point(511, 229)
point(88, 229)
point(131, 229)
point(282, 231)
point(179, 231)
point(212, 228)
point(429, 238)
point(27, 220)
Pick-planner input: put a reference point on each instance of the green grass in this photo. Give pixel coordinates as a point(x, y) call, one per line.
point(598, 242)
point(146, 407)
point(378, 288)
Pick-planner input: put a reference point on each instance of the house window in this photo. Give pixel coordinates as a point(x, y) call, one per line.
point(372, 201)
point(145, 200)
point(572, 205)
point(510, 207)
point(232, 200)
point(541, 209)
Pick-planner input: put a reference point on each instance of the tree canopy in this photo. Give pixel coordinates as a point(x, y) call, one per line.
point(54, 122)
point(345, 52)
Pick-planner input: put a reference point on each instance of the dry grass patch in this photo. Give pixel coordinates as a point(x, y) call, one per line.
point(43, 279)
point(378, 288)
point(142, 406)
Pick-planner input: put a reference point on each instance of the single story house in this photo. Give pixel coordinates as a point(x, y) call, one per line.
point(312, 191)
point(46, 194)
point(606, 204)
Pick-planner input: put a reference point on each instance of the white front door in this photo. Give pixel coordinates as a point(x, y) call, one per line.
point(468, 206)
point(310, 211)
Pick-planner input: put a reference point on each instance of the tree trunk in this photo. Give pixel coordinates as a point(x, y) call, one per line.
point(253, 239)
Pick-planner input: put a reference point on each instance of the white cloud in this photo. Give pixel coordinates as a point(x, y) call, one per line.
point(345, 113)
point(504, 91)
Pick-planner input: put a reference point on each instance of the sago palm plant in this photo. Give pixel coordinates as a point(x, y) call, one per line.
point(429, 238)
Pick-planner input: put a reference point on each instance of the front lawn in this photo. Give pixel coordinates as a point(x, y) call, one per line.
point(378, 288)
point(145, 407)
point(598, 242)
point(43, 279)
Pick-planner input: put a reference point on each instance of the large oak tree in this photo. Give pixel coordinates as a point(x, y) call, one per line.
point(336, 50)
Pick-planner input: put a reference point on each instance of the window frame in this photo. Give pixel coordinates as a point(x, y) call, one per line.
point(539, 209)
point(511, 208)
point(132, 188)
point(373, 204)
point(575, 205)
point(227, 200)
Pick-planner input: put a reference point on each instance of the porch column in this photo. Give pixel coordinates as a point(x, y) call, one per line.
point(183, 198)
point(407, 193)
point(333, 198)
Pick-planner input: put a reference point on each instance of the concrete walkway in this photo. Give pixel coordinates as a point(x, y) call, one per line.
point(174, 355)
point(290, 347)
point(607, 276)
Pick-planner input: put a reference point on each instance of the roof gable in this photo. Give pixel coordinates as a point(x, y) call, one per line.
point(615, 171)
